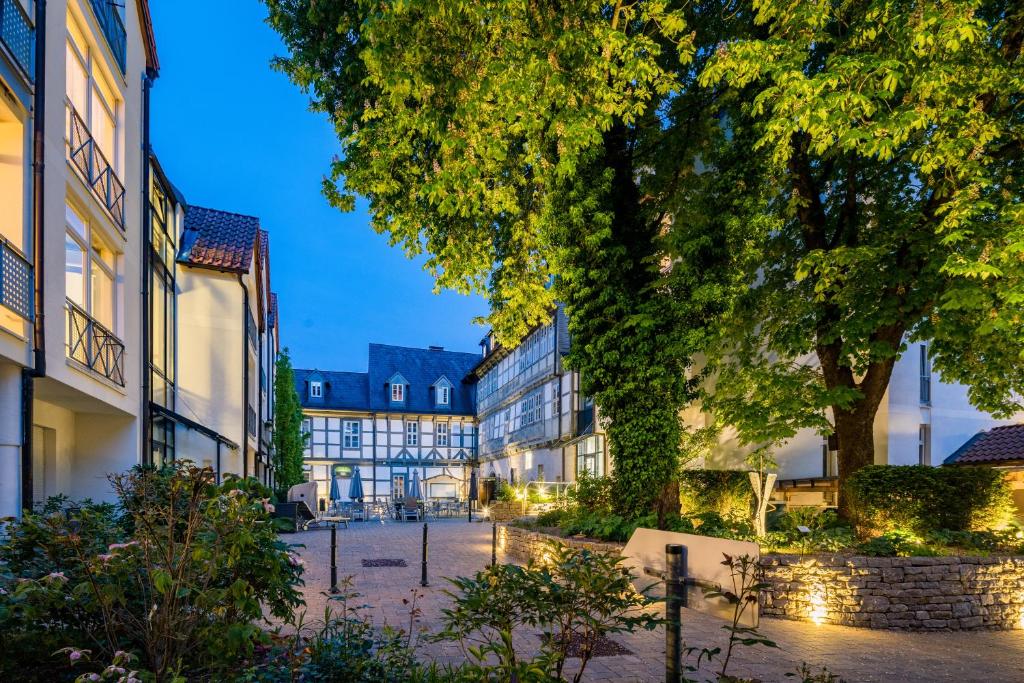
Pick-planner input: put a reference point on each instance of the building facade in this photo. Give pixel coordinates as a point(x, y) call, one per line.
point(921, 420)
point(90, 379)
point(411, 411)
point(227, 341)
point(535, 423)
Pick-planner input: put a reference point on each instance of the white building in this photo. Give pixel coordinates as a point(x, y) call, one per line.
point(920, 421)
point(411, 411)
point(535, 425)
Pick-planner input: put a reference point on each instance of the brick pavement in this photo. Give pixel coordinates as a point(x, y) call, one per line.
point(460, 548)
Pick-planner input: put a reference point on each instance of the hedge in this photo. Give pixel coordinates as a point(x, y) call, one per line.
point(724, 492)
point(922, 499)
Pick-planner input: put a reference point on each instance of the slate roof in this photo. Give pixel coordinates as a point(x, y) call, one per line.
point(218, 239)
point(421, 368)
point(997, 446)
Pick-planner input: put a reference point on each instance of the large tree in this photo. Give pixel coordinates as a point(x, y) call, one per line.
point(868, 182)
point(289, 440)
point(512, 142)
point(812, 181)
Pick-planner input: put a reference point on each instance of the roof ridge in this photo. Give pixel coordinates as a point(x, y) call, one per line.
point(421, 348)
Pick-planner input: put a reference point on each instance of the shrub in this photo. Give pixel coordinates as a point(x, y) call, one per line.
point(592, 494)
point(724, 492)
point(920, 499)
point(181, 580)
point(574, 599)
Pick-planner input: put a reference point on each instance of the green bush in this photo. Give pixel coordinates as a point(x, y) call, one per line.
point(182, 579)
point(724, 492)
point(921, 499)
point(591, 494)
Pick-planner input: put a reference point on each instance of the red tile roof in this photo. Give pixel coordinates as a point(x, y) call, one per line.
point(218, 239)
point(997, 446)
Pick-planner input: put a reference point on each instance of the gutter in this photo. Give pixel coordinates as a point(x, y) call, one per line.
point(38, 369)
point(146, 452)
point(245, 378)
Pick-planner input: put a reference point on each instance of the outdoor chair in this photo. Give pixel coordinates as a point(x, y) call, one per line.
point(411, 509)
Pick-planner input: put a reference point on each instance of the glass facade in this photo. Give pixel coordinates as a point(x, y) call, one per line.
point(162, 311)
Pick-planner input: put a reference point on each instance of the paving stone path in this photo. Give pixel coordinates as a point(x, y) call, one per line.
point(460, 548)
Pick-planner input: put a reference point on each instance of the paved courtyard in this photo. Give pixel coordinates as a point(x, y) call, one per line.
point(460, 548)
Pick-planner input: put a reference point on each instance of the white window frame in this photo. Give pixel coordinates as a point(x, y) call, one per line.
point(924, 444)
point(412, 433)
point(90, 260)
point(398, 392)
point(352, 434)
point(442, 434)
point(95, 94)
point(316, 390)
point(926, 376)
point(443, 395)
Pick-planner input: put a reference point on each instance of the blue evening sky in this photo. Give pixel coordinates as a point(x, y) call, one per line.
point(232, 134)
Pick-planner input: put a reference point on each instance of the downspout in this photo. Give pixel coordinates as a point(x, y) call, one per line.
point(38, 368)
point(245, 378)
point(147, 274)
point(259, 407)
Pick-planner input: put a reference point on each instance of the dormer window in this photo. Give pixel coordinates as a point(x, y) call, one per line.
point(397, 393)
point(316, 390)
point(443, 395)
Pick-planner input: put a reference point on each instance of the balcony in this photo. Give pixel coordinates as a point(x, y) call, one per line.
point(18, 36)
point(113, 29)
point(15, 280)
point(94, 346)
point(97, 172)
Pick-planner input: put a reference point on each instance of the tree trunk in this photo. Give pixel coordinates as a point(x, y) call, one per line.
point(668, 503)
point(855, 434)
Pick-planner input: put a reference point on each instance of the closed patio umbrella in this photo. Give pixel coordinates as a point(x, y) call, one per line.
point(335, 490)
point(415, 490)
point(474, 493)
point(355, 487)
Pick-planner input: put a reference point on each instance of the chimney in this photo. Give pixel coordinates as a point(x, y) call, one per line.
point(436, 348)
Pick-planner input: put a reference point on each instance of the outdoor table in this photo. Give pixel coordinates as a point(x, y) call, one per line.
point(334, 519)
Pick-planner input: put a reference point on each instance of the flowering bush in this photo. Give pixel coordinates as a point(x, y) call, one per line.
point(180, 576)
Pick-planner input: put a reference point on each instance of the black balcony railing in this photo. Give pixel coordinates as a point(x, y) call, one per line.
point(251, 421)
point(85, 154)
point(113, 29)
point(15, 280)
point(18, 36)
point(93, 345)
point(252, 332)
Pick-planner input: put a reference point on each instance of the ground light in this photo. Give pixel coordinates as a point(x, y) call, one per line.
point(817, 612)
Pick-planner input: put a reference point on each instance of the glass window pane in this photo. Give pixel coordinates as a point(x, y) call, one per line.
point(102, 128)
point(77, 82)
point(74, 259)
point(157, 320)
point(102, 296)
point(74, 221)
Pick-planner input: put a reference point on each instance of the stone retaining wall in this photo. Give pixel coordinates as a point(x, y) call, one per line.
point(504, 511)
point(913, 593)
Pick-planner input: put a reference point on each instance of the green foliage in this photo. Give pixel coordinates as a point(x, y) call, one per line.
point(182, 580)
point(724, 492)
point(866, 177)
point(920, 499)
point(289, 440)
point(590, 493)
point(896, 544)
point(574, 598)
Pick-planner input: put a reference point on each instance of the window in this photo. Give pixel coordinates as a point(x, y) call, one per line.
point(398, 487)
point(590, 456)
point(924, 444)
point(90, 95)
point(531, 409)
point(90, 270)
point(162, 298)
point(397, 392)
point(443, 395)
point(926, 376)
point(442, 434)
point(316, 390)
point(412, 430)
point(351, 434)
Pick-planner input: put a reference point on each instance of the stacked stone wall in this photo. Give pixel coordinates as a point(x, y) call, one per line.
point(909, 593)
